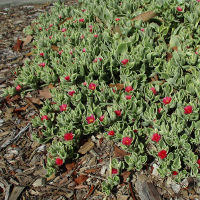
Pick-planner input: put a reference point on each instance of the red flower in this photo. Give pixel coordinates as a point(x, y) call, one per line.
point(118, 112)
point(50, 25)
point(84, 83)
point(81, 20)
point(42, 54)
point(101, 118)
point(114, 171)
point(111, 133)
point(142, 29)
point(128, 88)
point(124, 62)
point(42, 64)
point(179, 8)
point(96, 36)
point(59, 161)
point(188, 109)
point(198, 162)
point(68, 136)
point(82, 36)
point(84, 49)
point(67, 78)
point(90, 119)
point(167, 100)
point(135, 131)
point(63, 107)
point(18, 87)
point(64, 29)
point(44, 117)
point(92, 86)
point(174, 173)
point(83, 10)
point(198, 0)
point(162, 154)
point(128, 97)
point(40, 28)
point(117, 19)
point(127, 141)
point(159, 110)
point(50, 37)
point(71, 93)
point(153, 89)
point(156, 137)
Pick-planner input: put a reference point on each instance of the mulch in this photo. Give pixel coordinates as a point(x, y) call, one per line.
point(22, 175)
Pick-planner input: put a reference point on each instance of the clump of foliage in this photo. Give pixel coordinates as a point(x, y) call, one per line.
point(138, 82)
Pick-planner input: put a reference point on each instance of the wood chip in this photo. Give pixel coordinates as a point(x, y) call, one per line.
point(8, 114)
point(55, 48)
point(86, 147)
point(145, 16)
point(4, 133)
point(17, 190)
point(70, 166)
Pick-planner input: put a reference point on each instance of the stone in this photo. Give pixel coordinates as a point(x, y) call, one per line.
point(155, 171)
point(175, 187)
point(39, 182)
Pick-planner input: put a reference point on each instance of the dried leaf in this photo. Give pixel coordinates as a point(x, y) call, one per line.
point(45, 93)
point(51, 177)
point(155, 78)
point(119, 86)
point(120, 153)
point(8, 114)
point(35, 100)
point(21, 109)
point(125, 175)
point(18, 45)
point(175, 48)
point(90, 191)
point(67, 19)
point(29, 54)
point(86, 147)
point(27, 40)
point(169, 56)
point(70, 166)
point(88, 171)
point(98, 20)
point(145, 16)
point(81, 179)
point(14, 98)
point(116, 29)
point(55, 48)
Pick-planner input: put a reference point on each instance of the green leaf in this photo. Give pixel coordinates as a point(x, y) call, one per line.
point(122, 48)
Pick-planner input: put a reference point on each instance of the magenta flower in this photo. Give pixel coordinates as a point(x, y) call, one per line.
point(118, 112)
point(128, 88)
point(63, 107)
point(92, 86)
point(71, 93)
point(198, 0)
point(81, 20)
point(44, 117)
point(64, 29)
point(42, 64)
point(40, 28)
point(198, 162)
point(83, 10)
point(153, 89)
point(156, 137)
point(82, 36)
point(71, 52)
point(18, 87)
point(84, 49)
point(142, 29)
point(84, 83)
point(60, 52)
point(114, 171)
point(50, 37)
point(90, 119)
point(117, 19)
point(59, 161)
point(50, 25)
point(162, 154)
point(67, 78)
point(188, 110)
point(167, 100)
point(101, 118)
point(90, 26)
point(127, 141)
point(124, 62)
point(178, 8)
point(96, 36)
point(111, 133)
point(128, 97)
point(159, 110)
point(42, 54)
point(68, 136)
point(100, 59)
